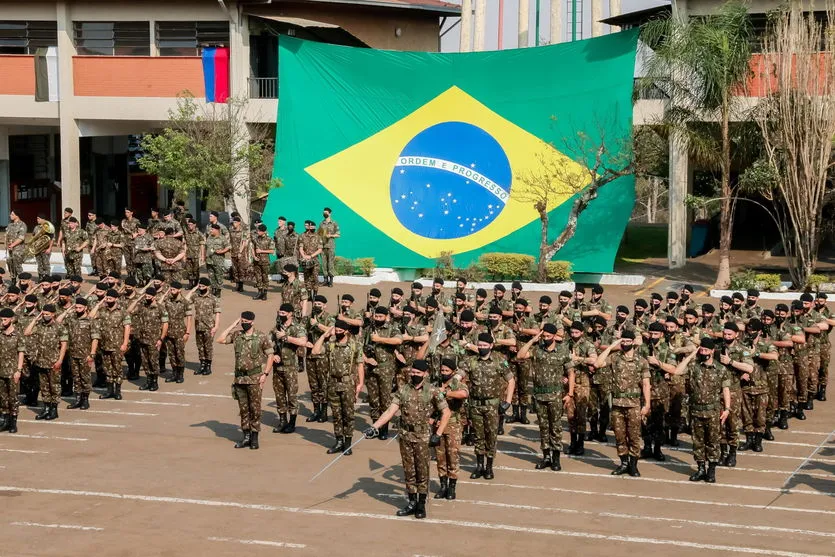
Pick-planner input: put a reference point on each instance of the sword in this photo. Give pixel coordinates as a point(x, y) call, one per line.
point(334, 461)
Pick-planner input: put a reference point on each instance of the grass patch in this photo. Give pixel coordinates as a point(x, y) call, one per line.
point(642, 241)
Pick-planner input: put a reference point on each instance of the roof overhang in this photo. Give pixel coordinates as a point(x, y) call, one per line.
point(319, 30)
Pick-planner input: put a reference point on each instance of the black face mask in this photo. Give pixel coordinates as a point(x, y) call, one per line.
point(750, 337)
point(653, 340)
point(702, 357)
point(9, 324)
point(203, 291)
point(684, 297)
point(128, 291)
point(619, 319)
point(626, 347)
point(110, 304)
point(149, 302)
point(379, 323)
point(520, 314)
point(317, 310)
point(416, 380)
point(544, 344)
point(751, 303)
point(339, 336)
point(446, 378)
point(779, 320)
point(47, 319)
point(483, 352)
point(246, 326)
point(639, 312)
point(372, 303)
point(80, 313)
point(494, 322)
point(325, 215)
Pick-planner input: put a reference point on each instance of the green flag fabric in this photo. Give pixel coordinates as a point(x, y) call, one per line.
point(422, 153)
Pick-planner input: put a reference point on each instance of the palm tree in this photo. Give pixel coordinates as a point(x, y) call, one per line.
point(702, 63)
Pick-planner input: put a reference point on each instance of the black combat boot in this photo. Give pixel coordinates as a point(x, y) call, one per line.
point(282, 423)
point(500, 431)
point(410, 507)
point(315, 415)
point(146, 386)
point(523, 415)
point(450, 494)
point(181, 374)
point(291, 425)
point(53, 412)
point(488, 469)
point(674, 437)
point(323, 415)
point(117, 391)
point(758, 443)
point(514, 417)
point(444, 488)
point(623, 467)
point(646, 451)
point(656, 452)
point(338, 447)
point(109, 393)
point(711, 473)
point(580, 449)
point(85, 401)
point(573, 445)
point(384, 433)
point(546, 460)
point(723, 455)
point(202, 367)
point(479, 467)
point(470, 437)
point(420, 510)
point(731, 461)
point(592, 432)
point(76, 403)
point(4, 422)
point(208, 368)
point(253, 440)
point(822, 393)
point(700, 474)
point(348, 442)
point(244, 442)
point(748, 444)
point(799, 413)
point(155, 385)
point(11, 427)
point(768, 436)
point(810, 401)
point(555, 461)
point(239, 287)
point(633, 467)
point(783, 422)
point(173, 377)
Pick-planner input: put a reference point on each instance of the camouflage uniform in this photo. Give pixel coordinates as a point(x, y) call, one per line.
point(548, 368)
point(449, 449)
point(286, 371)
point(522, 368)
point(129, 227)
point(783, 391)
point(73, 255)
point(47, 347)
point(15, 231)
point(378, 379)
point(109, 329)
point(317, 364)
point(194, 242)
point(452, 350)
point(147, 327)
point(278, 243)
point(578, 408)
point(730, 432)
point(205, 309)
point(678, 391)
point(30, 377)
point(100, 257)
point(178, 311)
point(288, 249)
point(143, 260)
point(251, 352)
point(240, 261)
point(755, 390)
point(80, 331)
point(170, 247)
point(417, 406)
point(627, 378)
point(113, 256)
point(294, 293)
point(813, 340)
point(342, 360)
point(486, 378)
point(328, 246)
point(800, 358)
point(42, 260)
point(261, 266)
point(310, 242)
point(215, 263)
point(825, 349)
point(660, 390)
point(10, 345)
point(409, 349)
point(704, 387)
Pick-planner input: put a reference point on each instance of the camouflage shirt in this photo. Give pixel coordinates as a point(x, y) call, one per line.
point(758, 382)
point(343, 359)
point(74, 239)
point(548, 367)
point(169, 247)
point(10, 345)
point(194, 241)
point(213, 244)
point(582, 348)
point(129, 227)
point(80, 331)
point(278, 238)
point(310, 242)
point(251, 352)
point(738, 352)
point(311, 325)
point(237, 237)
point(295, 294)
point(704, 387)
point(16, 231)
point(659, 381)
point(141, 252)
point(47, 346)
point(286, 350)
point(263, 242)
point(147, 323)
point(417, 407)
point(383, 353)
point(178, 311)
point(205, 309)
point(109, 328)
point(457, 407)
point(446, 350)
point(628, 375)
point(325, 228)
point(487, 377)
point(409, 348)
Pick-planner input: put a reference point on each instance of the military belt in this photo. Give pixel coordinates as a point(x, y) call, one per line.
point(703, 407)
point(244, 373)
point(476, 401)
point(412, 429)
point(626, 394)
point(546, 390)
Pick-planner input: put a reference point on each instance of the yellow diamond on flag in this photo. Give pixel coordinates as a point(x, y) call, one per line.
point(446, 177)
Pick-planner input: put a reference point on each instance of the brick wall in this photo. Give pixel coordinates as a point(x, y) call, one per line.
point(137, 76)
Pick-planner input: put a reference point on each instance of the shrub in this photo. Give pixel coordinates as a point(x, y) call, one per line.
point(558, 271)
point(343, 266)
point(768, 282)
point(365, 265)
point(444, 266)
point(743, 280)
point(507, 266)
point(814, 282)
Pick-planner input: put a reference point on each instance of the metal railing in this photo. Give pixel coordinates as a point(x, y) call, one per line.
point(263, 87)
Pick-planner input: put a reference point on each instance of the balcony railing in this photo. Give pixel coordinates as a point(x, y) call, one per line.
point(263, 87)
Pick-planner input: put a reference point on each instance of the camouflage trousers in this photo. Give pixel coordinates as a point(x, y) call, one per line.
point(112, 363)
point(549, 416)
point(448, 451)
point(626, 422)
point(328, 255)
point(82, 376)
point(98, 262)
point(484, 419)
point(149, 356)
point(286, 388)
point(773, 383)
point(311, 278)
point(785, 386)
point(653, 431)
point(378, 384)
point(205, 350)
point(814, 371)
point(317, 377)
point(215, 272)
point(72, 263)
point(44, 268)
point(730, 430)
point(143, 272)
point(15, 262)
point(522, 373)
point(9, 402)
point(249, 406)
point(50, 384)
point(705, 433)
point(599, 409)
point(191, 270)
point(130, 256)
point(415, 456)
point(676, 404)
point(261, 272)
point(240, 269)
point(169, 275)
point(823, 373)
point(801, 376)
point(342, 408)
point(754, 408)
point(578, 408)
point(113, 262)
point(175, 349)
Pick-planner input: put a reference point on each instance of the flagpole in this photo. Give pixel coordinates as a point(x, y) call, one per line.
point(501, 22)
point(536, 39)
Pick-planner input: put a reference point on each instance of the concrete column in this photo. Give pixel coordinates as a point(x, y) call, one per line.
point(614, 9)
point(596, 16)
point(239, 88)
point(679, 180)
point(5, 182)
point(70, 166)
point(480, 21)
point(153, 34)
point(524, 23)
point(466, 38)
point(556, 21)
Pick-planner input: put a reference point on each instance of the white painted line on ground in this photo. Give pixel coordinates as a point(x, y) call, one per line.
point(650, 497)
point(59, 526)
point(151, 402)
point(802, 464)
point(259, 542)
point(23, 451)
point(52, 437)
point(183, 393)
point(80, 424)
point(805, 432)
point(413, 524)
point(711, 524)
point(118, 413)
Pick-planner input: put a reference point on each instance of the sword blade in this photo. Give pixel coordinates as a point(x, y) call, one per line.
point(334, 461)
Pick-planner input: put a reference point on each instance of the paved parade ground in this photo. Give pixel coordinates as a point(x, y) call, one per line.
point(156, 474)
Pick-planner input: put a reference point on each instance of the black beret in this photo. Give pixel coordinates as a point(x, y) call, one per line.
point(25, 275)
point(204, 281)
point(578, 288)
point(150, 291)
point(672, 295)
point(340, 324)
point(565, 294)
point(688, 288)
point(320, 298)
point(176, 284)
point(517, 285)
point(112, 293)
point(768, 313)
point(549, 328)
point(290, 268)
point(481, 292)
point(130, 281)
point(628, 333)
point(656, 296)
point(545, 300)
point(6, 313)
point(214, 226)
point(50, 308)
point(64, 292)
point(499, 287)
point(432, 302)
point(708, 308)
point(806, 297)
point(397, 290)
point(597, 289)
point(641, 303)
point(248, 315)
point(13, 290)
point(438, 280)
point(521, 302)
point(577, 326)
point(420, 365)
point(797, 305)
point(31, 298)
point(754, 325)
point(708, 343)
point(691, 311)
point(753, 292)
point(466, 315)
point(485, 337)
point(348, 297)
point(461, 296)
point(375, 292)
point(113, 274)
point(215, 214)
point(285, 307)
point(417, 286)
point(622, 309)
point(656, 327)
point(448, 362)
point(409, 309)
point(731, 326)
point(737, 296)
point(781, 307)
point(81, 301)
point(671, 319)
point(381, 310)
point(726, 300)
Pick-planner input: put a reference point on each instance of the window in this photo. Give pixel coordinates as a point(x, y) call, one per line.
point(26, 37)
point(186, 38)
point(108, 38)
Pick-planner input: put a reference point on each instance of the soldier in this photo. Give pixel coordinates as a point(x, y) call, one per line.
point(289, 247)
point(737, 358)
point(486, 374)
point(755, 387)
point(50, 343)
point(419, 402)
point(206, 321)
point(708, 385)
point(414, 335)
point(287, 338)
point(63, 227)
point(583, 355)
point(170, 254)
point(780, 372)
point(381, 340)
point(214, 255)
point(129, 226)
point(316, 324)
point(74, 242)
point(12, 351)
point(825, 344)
point(42, 257)
point(630, 380)
point(550, 363)
point(293, 290)
point(816, 327)
point(310, 246)
point(180, 320)
point(194, 251)
point(661, 362)
point(751, 309)
point(504, 341)
point(213, 220)
point(262, 247)
point(15, 235)
point(800, 323)
point(443, 299)
point(345, 378)
point(278, 239)
point(600, 384)
point(143, 254)
point(500, 302)
point(524, 327)
point(111, 335)
point(680, 346)
point(149, 322)
point(329, 232)
point(154, 222)
point(80, 331)
point(253, 361)
point(31, 378)
point(239, 250)
point(168, 221)
point(454, 388)
point(114, 246)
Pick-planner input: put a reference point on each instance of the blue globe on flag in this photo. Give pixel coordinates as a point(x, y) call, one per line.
point(451, 180)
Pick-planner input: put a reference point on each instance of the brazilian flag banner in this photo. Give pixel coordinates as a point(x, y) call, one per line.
point(420, 153)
